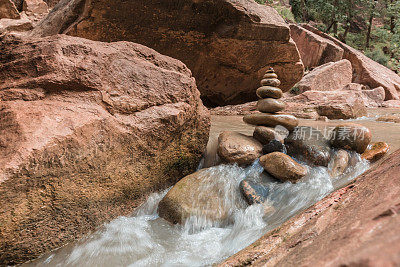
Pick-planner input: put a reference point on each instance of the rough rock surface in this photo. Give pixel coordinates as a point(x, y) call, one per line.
point(335, 104)
point(365, 70)
point(342, 104)
point(314, 49)
point(8, 10)
point(283, 167)
point(35, 6)
point(16, 25)
point(238, 148)
point(228, 44)
point(354, 226)
point(87, 130)
point(328, 77)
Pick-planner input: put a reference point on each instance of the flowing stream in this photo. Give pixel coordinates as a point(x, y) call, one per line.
point(144, 239)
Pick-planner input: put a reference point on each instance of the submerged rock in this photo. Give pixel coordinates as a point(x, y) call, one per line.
point(310, 145)
point(266, 134)
point(88, 129)
point(274, 146)
point(238, 148)
point(376, 151)
point(283, 167)
point(351, 136)
point(198, 194)
point(390, 118)
point(340, 162)
point(254, 193)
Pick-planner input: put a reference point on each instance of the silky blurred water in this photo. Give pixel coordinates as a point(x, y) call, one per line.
point(144, 239)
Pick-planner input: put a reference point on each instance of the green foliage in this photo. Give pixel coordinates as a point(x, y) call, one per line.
point(285, 13)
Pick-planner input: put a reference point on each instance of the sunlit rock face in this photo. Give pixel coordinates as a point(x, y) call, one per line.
point(87, 130)
point(227, 44)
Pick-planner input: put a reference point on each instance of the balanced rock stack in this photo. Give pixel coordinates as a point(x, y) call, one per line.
point(269, 105)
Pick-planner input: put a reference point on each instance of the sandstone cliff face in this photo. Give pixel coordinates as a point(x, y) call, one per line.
point(228, 44)
point(355, 226)
point(87, 129)
point(365, 70)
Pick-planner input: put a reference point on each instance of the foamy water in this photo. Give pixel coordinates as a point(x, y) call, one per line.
point(144, 239)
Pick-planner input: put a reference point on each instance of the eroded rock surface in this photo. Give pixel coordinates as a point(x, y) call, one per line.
point(354, 226)
point(228, 44)
point(87, 129)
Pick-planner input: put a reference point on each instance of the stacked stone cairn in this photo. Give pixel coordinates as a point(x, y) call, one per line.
point(274, 161)
point(269, 104)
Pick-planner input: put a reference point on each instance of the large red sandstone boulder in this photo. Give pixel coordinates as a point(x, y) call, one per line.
point(228, 44)
point(328, 77)
point(354, 226)
point(314, 49)
point(365, 70)
point(8, 10)
point(87, 131)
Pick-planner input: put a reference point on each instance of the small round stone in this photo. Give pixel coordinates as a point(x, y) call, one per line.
point(270, 105)
point(274, 146)
point(270, 76)
point(264, 135)
point(283, 167)
point(271, 120)
point(270, 82)
point(375, 152)
point(268, 91)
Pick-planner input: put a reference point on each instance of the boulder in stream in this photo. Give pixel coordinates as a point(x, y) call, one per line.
point(351, 136)
point(310, 145)
point(203, 194)
point(339, 163)
point(283, 167)
point(376, 151)
point(238, 148)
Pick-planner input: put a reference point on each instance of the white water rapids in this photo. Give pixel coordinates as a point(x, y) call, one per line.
point(144, 239)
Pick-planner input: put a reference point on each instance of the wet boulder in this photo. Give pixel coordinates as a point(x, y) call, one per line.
point(376, 151)
point(339, 163)
point(310, 145)
point(351, 136)
point(254, 193)
point(200, 194)
point(238, 148)
point(283, 167)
